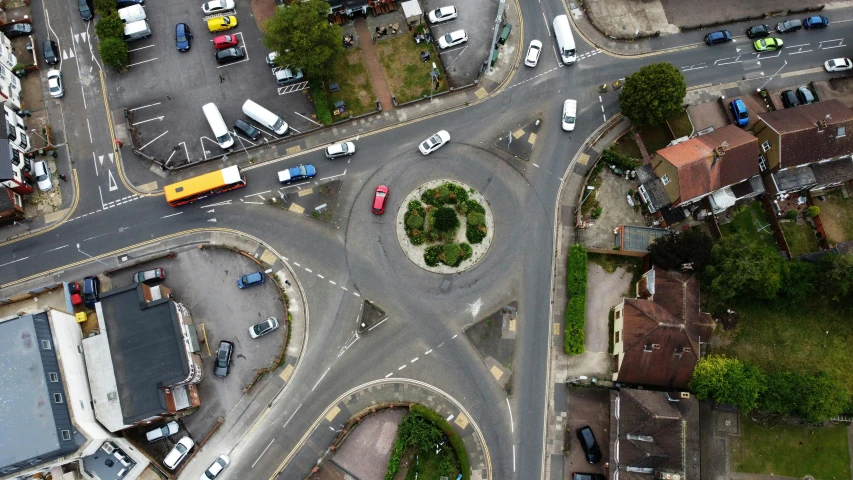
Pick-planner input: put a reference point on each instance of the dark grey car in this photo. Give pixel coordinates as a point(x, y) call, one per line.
point(247, 130)
point(18, 29)
point(789, 99)
point(85, 9)
point(51, 52)
point(805, 96)
point(223, 358)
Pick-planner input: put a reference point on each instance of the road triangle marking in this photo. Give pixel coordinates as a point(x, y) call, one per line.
point(212, 220)
point(111, 158)
point(101, 159)
point(112, 181)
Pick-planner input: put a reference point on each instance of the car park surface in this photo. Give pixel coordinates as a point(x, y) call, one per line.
point(183, 37)
point(789, 99)
point(162, 432)
point(178, 453)
point(225, 41)
point(805, 96)
point(217, 6)
point(229, 55)
point(442, 14)
point(220, 24)
point(477, 18)
point(262, 328)
point(247, 130)
point(223, 358)
point(250, 280)
point(738, 109)
point(452, 39)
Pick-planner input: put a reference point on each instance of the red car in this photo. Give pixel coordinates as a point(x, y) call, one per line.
point(225, 41)
point(379, 199)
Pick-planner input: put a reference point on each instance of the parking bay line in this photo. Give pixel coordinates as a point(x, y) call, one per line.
point(144, 106)
point(152, 141)
point(140, 48)
point(306, 118)
point(262, 454)
point(140, 63)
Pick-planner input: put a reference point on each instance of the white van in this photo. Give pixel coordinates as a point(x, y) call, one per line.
point(565, 40)
point(217, 124)
point(136, 30)
point(133, 13)
point(265, 117)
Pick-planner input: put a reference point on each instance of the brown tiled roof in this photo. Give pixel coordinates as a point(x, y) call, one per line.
point(698, 171)
point(671, 320)
point(802, 143)
point(834, 171)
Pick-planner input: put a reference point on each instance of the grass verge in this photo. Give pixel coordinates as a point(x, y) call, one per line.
point(748, 220)
point(454, 438)
point(626, 145)
point(801, 238)
point(680, 125)
point(655, 137)
point(576, 308)
point(354, 82)
point(836, 212)
point(406, 74)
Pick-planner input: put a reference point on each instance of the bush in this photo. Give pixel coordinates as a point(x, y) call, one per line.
point(457, 194)
point(474, 206)
point(415, 221)
point(576, 308)
point(475, 233)
point(812, 211)
point(455, 439)
point(452, 254)
point(417, 238)
point(114, 52)
point(414, 431)
point(416, 206)
point(431, 255)
point(104, 7)
point(324, 115)
point(110, 26)
point(444, 219)
point(597, 212)
point(475, 219)
point(619, 161)
point(467, 251)
point(791, 215)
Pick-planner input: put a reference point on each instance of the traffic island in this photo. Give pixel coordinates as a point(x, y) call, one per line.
point(318, 201)
point(370, 316)
point(519, 143)
point(494, 339)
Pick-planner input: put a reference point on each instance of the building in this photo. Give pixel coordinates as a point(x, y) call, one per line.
point(658, 335)
point(47, 417)
point(653, 435)
point(11, 206)
point(10, 85)
point(12, 126)
point(143, 364)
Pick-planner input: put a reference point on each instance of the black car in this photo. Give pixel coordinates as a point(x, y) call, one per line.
point(758, 31)
point(50, 52)
point(91, 291)
point(223, 358)
point(722, 36)
point(85, 9)
point(789, 99)
point(805, 96)
point(588, 476)
point(789, 26)
point(18, 29)
point(589, 445)
point(230, 55)
point(247, 130)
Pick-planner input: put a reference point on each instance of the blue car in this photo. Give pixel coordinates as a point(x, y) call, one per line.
point(182, 37)
point(714, 38)
point(250, 280)
point(738, 109)
point(817, 21)
point(295, 174)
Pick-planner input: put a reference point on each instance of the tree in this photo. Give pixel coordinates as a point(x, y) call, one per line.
point(103, 7)
point(303, 37)
point(653, 94)
point(445, 219)
point(740, 266)
point(687, 246)
point(812, 211)
point(114, 52)
point(799, 281)
point(110, 26)
point(729, 381)
point(815, 398)
point(837, 273)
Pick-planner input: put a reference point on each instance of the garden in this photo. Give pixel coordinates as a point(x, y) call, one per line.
point(407, 75)
point(431, 446)
point(446, 225)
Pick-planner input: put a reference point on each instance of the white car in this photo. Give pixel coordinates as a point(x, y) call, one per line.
point(160, 433)
point(217, 6)
point(262, 328)
point(442, 14)
point(342, 149)
point(452, 39)
point(178, 453)
point(54, 83)
point(42, 173)
point(570, 112)
point(271, 59)
point(215, 468)
point(838, 65)
point(434, 142)
point(533, 52)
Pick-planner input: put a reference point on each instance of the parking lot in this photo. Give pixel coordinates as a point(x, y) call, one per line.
point(477, 18)
point(164, 89)
point(206, 282)
point(588, 406)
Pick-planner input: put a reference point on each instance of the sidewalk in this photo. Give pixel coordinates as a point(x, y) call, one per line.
point(371, 60)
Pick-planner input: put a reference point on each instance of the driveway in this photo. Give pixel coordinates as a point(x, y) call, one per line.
point(588, 406)
point(603, 292)
point(477, 18)
point(206, 282)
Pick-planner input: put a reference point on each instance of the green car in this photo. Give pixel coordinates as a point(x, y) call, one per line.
point(768, 44)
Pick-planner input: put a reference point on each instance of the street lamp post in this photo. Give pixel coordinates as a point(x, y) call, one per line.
point(93, 258)
point(498, 19)
point(771, 76)
point(590, 188)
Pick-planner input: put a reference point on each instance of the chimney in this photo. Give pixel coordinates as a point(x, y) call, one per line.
point(720, 151)
point(821, 125)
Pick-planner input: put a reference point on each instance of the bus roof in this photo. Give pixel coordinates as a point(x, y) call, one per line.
point(202, 183)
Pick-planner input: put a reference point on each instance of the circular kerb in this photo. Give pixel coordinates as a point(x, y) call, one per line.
point(415, 253)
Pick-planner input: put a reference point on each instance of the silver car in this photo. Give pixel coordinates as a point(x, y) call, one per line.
point(42, 173)
point(54, 83)
point(217, 6)
point(262, 328)
point(342, 149)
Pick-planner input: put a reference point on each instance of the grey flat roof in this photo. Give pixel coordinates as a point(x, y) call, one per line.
point(147, 350)
point(794, 178)
point(637, 238)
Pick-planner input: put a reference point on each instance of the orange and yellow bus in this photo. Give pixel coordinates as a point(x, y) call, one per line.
point(203, 186)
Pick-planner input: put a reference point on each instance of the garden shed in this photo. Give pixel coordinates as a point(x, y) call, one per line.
point(412, 11)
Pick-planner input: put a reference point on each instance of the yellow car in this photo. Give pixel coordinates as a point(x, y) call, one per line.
point(220, 24)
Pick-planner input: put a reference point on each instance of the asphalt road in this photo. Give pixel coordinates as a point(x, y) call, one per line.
point(358, 251)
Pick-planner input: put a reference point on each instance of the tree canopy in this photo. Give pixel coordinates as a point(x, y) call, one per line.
point(729, 381)
point(653, 94)
point(303, 37)
point(686, 246)
point(114, 52)
point(741, 267)
point(837, 273)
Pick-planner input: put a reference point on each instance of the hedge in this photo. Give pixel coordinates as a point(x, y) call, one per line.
point(576, 308)
point(324, 115)
point(455, 439)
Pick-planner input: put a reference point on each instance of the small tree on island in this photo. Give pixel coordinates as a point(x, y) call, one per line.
point(653, 94)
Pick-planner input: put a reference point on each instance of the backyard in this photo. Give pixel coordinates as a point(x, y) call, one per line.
point(749, 219)
point(655, 137)
point(354, 83)
point(680, 125)
point(407, 75)
point(801, 238)
point(836, 212)
point(791, 451)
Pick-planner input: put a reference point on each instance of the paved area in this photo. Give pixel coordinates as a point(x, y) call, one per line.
point(494, 339)
point(603, 292)
point(838, 88)
point(371, 61)
point(615, 210)
point(588, 406)
point(365, 452)
point(477, 18)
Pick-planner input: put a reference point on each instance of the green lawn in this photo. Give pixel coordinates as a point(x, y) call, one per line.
point(354, 81)
point(432, 465)
point(792, 451)
point(627, 146)
point(680, 125)
point(836, 212)
point(748, 221)
point(655, 137)
point(407, 76)
point(801, 238)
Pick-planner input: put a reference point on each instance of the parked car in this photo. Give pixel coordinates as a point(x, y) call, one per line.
point(434, 142)
point(343, 149)
point(295, 174)
point(18, 29)
point(42, 173)
point(452, 39)
point(721, 36)
point(183, 37)
point(85, 10)
point(178, 453)
point(160, 433)
point(589, 445)
point(379, 198)
point(838, 65)
point(805, 96)
point(442, 14)
point(250, 280)
point(223, 358)
point(54, 83)
point(789, 99)
point(286, 76)
point(229, 55)
point(768, 44)
point(91, 291)
point(758, 31)
point(570, 112)
point(215, 468)
point(225, 41)
point(262, 328)
point(817, 21)
point(739, 111)
point(220, 24)
point(533, 52)
point(149, 275)
point(247, 130)
point(789, 26)
point(271, 59)
point(587, 476)
point(51, 52)
point(217, 6)
point(127, 3)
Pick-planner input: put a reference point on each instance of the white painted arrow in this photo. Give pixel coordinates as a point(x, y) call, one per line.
point(101, 159)
point(112, 181)
point(211, 210)
point(111, 158)
point(212, 220)
point(737, 50)
point(149, 120)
